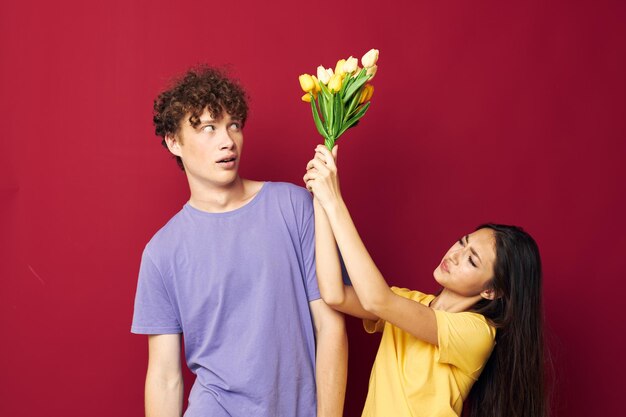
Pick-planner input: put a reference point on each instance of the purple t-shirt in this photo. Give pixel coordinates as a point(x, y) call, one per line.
point(238, 286)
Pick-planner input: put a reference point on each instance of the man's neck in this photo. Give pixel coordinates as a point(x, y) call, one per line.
point(219, 199)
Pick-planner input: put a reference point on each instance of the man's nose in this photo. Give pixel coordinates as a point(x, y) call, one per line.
point(226, 142)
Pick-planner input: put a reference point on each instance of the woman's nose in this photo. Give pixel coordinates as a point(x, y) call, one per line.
point(455, 255)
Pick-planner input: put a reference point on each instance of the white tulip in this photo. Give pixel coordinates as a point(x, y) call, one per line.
point(370, 58)
point(372, 71)
point(322, 75)
point(350, 65)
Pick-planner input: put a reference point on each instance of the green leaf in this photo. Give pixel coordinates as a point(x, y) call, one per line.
point(329, 142)
point(331, 114)
point(360, 113)
point(339, 110)
point(316, 118)
point(324, 88)
point(347, 82)
point(325, 99)
point(356, 85)
point(322, 103)
point(354, 102)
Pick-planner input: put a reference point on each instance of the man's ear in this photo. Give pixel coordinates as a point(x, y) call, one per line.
point(173, 144)
point(488, 294)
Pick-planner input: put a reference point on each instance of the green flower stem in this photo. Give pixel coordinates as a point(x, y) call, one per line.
point(334, 113)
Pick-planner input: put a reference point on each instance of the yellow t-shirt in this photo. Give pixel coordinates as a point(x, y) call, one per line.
point(413, 378)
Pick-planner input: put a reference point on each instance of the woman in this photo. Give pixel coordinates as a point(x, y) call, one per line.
point(486, 321)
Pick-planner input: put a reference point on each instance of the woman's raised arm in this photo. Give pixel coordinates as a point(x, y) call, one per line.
point(373, 294)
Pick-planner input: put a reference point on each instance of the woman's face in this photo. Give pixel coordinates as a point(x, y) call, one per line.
point(468, 266)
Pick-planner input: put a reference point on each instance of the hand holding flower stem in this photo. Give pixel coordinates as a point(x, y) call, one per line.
point(321, 177)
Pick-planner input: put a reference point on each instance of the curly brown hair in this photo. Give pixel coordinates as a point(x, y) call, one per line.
point(200, 88)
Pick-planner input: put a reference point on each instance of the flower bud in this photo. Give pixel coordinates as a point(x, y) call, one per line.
point(334, 84)
point(370, 93)
point(366, 93)
point(306, 83)
point(339, 67)
point(306, 97)
point(370, 58)
point(317, 85)
point(350, 65)
point(372, 71)
point(322, 75)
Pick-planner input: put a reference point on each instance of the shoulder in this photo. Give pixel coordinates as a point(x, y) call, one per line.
point(167, 236)
point(465, 339)
point(290, 194)
point(466, 322)
point(289, 189)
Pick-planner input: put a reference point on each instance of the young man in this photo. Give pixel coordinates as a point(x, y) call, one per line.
point(234, 272)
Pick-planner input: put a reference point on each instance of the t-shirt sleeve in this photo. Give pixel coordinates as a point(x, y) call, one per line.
point(373, 326)
point(465, 341)
point(154, 313)
point(307, 240)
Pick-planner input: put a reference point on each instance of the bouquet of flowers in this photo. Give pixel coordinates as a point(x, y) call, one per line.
point(341, 97)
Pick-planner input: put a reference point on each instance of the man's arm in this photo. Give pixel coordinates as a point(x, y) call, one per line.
point(331, 369)
point(164, 380)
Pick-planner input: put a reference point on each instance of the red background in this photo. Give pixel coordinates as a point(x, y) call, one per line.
point(483, 111)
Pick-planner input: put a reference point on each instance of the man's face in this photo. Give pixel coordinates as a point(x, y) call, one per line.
point(211, 150)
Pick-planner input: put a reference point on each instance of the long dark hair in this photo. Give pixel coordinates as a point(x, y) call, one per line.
point(512, 383)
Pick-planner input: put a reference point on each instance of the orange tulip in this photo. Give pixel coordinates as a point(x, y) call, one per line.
point(366, 93)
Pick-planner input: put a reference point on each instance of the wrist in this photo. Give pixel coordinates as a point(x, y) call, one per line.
point(335, 208)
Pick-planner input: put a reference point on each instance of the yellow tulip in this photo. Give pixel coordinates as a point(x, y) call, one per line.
point(307, 83)
point(350, 65)
point(366, 93)
point(317, 84)
point(339, 66)
point(334, 84)
point(372, 71)
point(370, 58)
point(306, 97)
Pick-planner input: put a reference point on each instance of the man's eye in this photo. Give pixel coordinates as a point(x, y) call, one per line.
point(208, 128)
point(235, 126)
point(461, 242)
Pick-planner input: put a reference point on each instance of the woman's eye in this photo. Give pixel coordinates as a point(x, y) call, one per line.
point(208, 128)
point(235, 126)
point(461, 242)
point(472, 262)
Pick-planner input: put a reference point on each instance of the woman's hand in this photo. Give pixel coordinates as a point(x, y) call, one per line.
point(321, 176)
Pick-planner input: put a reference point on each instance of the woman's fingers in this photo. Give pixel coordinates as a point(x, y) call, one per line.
point(309, 178)
point(322, 152)
point(335, 152)
point(317, 164)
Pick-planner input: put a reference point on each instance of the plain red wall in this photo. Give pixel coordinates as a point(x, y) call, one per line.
point(499, 111)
